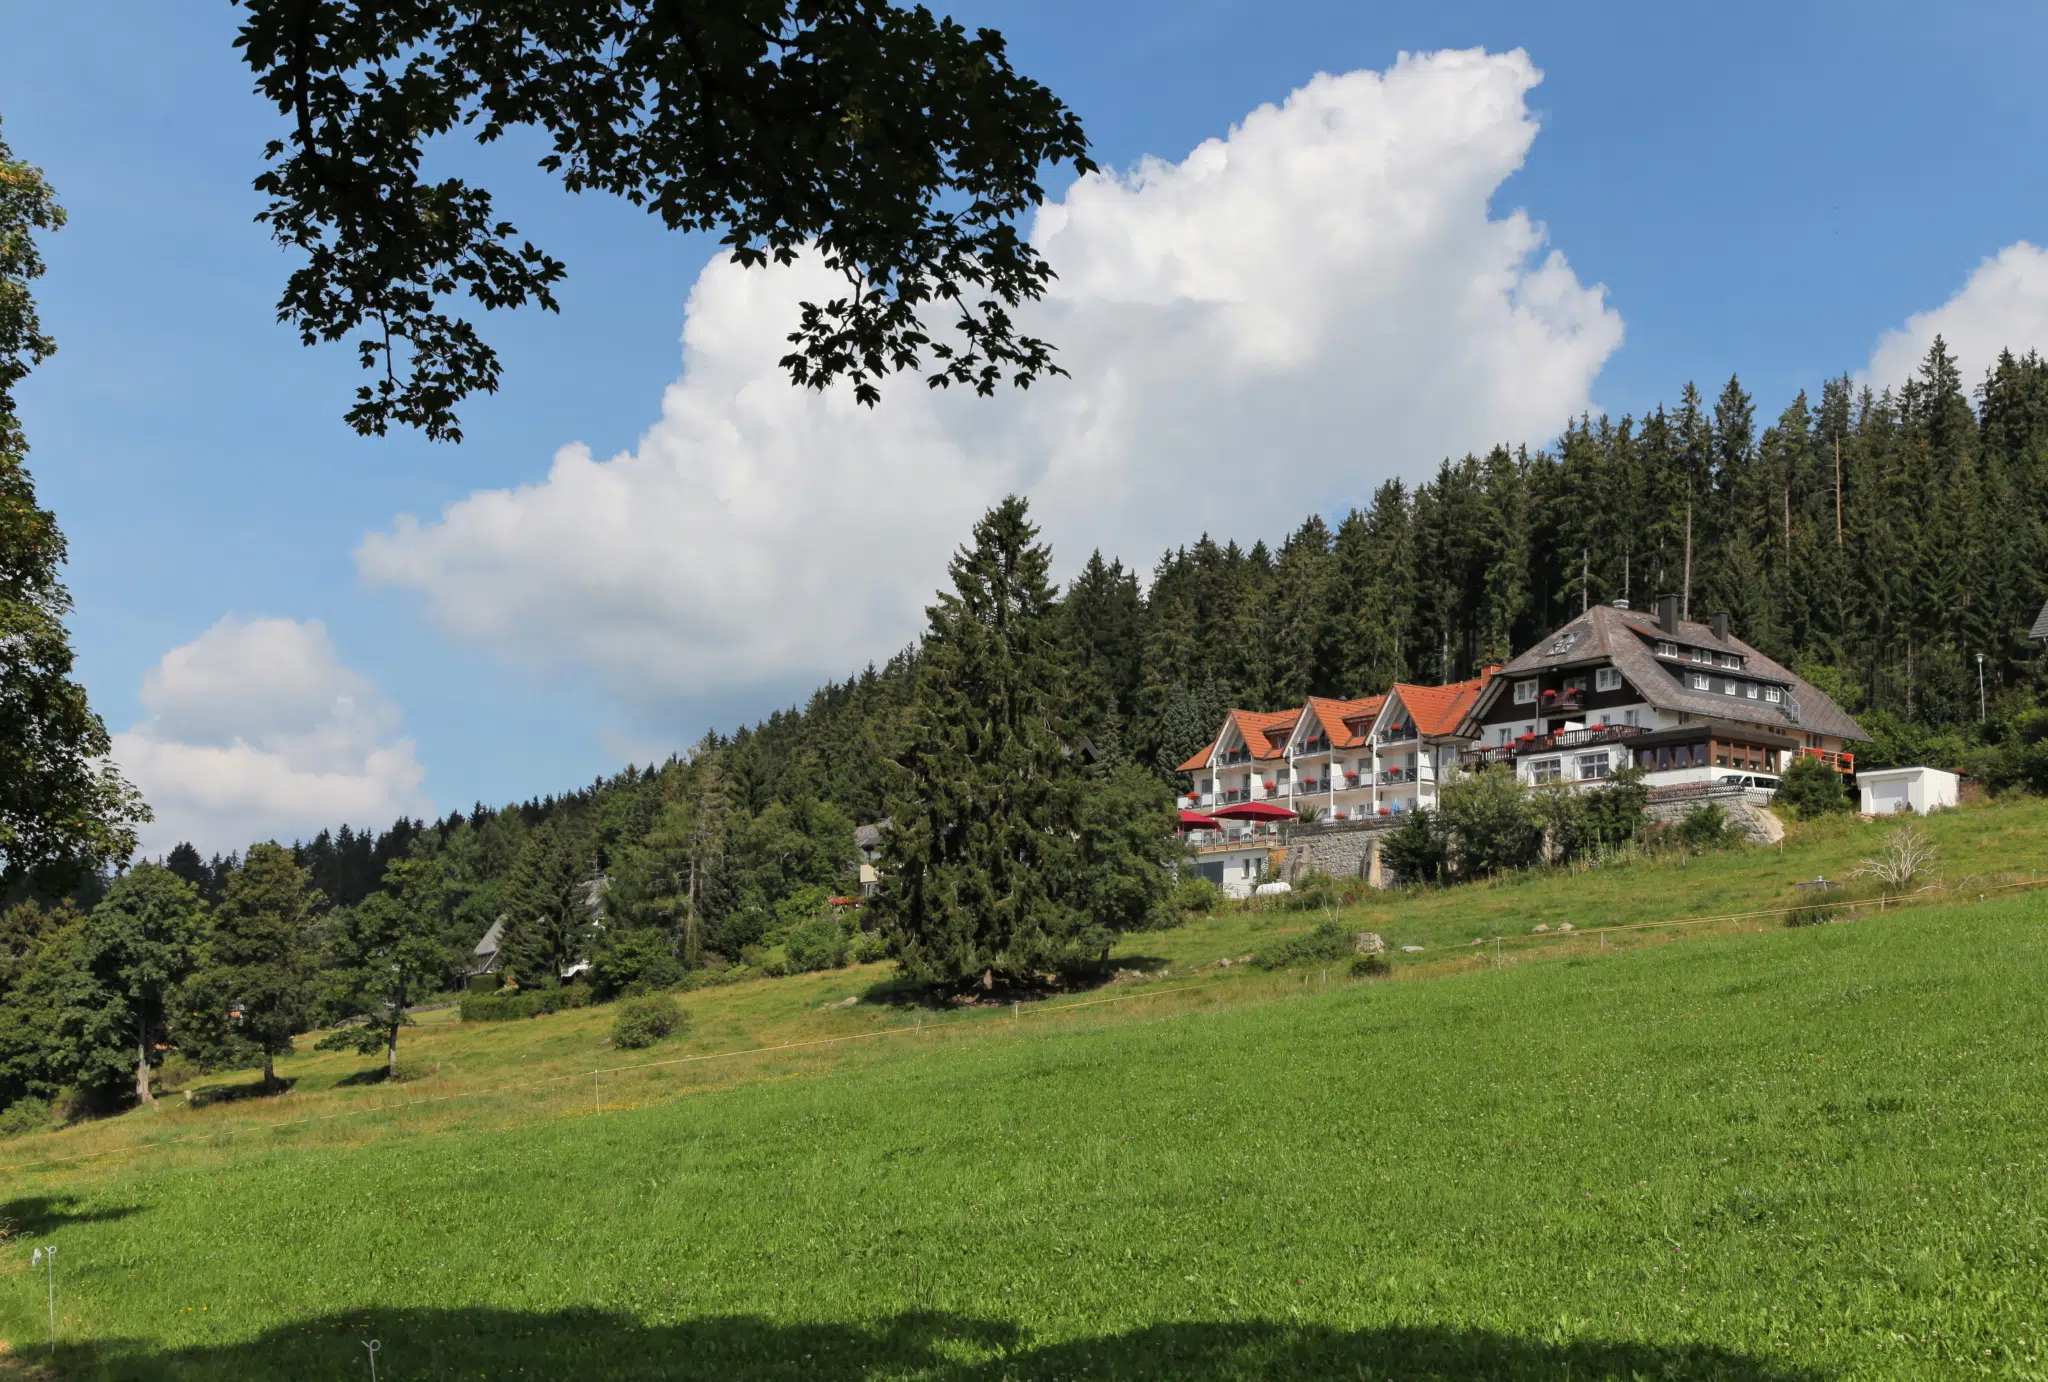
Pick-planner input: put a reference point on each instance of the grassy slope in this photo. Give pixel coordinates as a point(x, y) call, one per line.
point(1808, 1153)
point(462, 1064)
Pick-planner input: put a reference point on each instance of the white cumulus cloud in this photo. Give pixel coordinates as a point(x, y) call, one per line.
point(2003, 305)
point(257, 730)
point(1290, 314)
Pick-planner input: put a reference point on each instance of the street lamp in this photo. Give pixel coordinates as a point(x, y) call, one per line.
point(1982, 714)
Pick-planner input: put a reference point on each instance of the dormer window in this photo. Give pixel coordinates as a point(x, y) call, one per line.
point(1773, 695)
point(1727, 688)
point(1730, 660)
point(1699, 682)
point(1667, 650)
point(1701, 655)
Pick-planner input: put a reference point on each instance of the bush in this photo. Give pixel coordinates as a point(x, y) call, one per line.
point(523, 1003)
point(1195, 896)
point(869, 947)
point(25, 1116)
point(1706, 827)
point(818, 942)
point(1371, 966)
point(1487, 816)
point(635, 961)
point(1328, 941)
point(1810, 788)
point(1417, 850)
point(645, 1020)
point(485, 983)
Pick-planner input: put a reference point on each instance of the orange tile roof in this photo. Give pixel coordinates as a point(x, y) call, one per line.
point(1201, 758)
point(1441, 709)
point(1336, 716)
point(1266, 732)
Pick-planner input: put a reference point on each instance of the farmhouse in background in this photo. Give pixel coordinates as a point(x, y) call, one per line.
point(2041, 626)
point(1684, 702)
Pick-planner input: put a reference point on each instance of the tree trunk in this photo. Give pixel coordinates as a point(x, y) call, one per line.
point(269, 1070)
point(142, 1094)
point(391, 1053)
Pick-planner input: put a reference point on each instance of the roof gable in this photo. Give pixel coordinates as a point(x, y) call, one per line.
point(1438, 711)
point(1336, 718)
point(2041, 625)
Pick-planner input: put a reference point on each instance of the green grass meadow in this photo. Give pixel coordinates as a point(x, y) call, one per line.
point(1791, 1154)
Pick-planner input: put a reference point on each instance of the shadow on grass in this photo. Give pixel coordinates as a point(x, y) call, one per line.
point(40, 1214)
point(597, 1346)
point(376, 1074)
point(207, 1095)
point(907, 993)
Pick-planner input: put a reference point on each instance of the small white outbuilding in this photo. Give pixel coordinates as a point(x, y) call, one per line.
point(1888, 791)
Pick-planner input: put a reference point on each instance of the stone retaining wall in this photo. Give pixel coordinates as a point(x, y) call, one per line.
point(1746, 811)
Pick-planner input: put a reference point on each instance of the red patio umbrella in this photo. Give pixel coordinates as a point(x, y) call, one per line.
point(1195, 820)
point(1257, 811)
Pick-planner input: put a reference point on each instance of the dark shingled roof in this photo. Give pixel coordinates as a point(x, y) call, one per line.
point(1628, 639)
point(2041, 625)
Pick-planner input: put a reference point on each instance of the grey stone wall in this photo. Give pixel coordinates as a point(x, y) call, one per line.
point(1342, 849)
point(1745, 809)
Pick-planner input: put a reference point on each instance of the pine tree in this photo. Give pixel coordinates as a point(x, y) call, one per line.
point(547, 906)
point(1006, 858)
point(257, 965)
point(387, 953)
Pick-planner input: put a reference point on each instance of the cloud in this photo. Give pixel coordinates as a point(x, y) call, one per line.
point(2003, 305)
point(1270, 326)
point(256, 730)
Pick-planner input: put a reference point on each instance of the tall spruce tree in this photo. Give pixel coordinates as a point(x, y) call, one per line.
point(387, 953)
point(1008, 859)
point(258, 966)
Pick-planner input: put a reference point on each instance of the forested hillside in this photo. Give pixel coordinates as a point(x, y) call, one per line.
point(1874, 541)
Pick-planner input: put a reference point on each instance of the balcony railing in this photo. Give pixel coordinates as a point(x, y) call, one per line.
point(1840, 762)
point(1395, 734)
point(1563, 702)
point(1389, 777)
point(1548, 743)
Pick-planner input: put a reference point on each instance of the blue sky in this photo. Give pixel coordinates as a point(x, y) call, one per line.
point(1765, 190)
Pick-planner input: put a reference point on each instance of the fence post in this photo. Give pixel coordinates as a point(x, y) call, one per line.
point(596, 1101)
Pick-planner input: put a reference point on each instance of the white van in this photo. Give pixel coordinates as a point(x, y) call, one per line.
point(1755, 782)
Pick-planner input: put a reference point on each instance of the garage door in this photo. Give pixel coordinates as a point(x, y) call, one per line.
point(1888, 797)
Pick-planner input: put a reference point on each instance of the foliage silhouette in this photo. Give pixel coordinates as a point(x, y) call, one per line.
point(38, 1215)
point(601, 1346)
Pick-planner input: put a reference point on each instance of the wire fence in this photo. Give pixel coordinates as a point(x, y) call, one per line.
point(982, 1019)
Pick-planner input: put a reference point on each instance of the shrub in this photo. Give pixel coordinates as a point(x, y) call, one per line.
point(1328, 941)
point(1417, 850)
point(635, 961)
point(1487, 816)
point(25, 1116)
point(1810, 788)
point(869, 947)
point(485, 983)
point(521, 1003)
point(1907, 853)
point(1706, 827)
point(645, 1020)
point(818, 942)
point(1370, 966)
point(1195, 896)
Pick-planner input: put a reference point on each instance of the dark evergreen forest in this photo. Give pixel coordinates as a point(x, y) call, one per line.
point(1875, 542)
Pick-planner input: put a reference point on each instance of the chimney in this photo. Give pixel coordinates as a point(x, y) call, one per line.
point(1667, 614)
point(1721, 627)
point(1621, 604)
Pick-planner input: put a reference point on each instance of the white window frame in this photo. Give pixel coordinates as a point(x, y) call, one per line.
point(1631, 716)
point(1575, 685)
point(1701, 655)
point(1543, 771)
point(1700, 681)
point(1774, 695)
point(1593, 767)
point(1667, 650)
point(1607, 679)
point(1749, 690)
point(1525, 693)
point(1728, 688)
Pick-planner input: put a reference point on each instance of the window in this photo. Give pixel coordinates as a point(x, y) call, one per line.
point(1504, 731)
point(1773, 695)
point(1631, 716)
point(1702, 655)
point(1699, 755)
point(1607, 679)
point(1699, 683)
point(1667, 650)
point(1575, 686)
point(1593, 767)
point(1749, 690)
point(1720, 760)
point(1525, 692)
point(1727, 688)
point(1646, 760)
point(1730, 660)
point(1545, 770)
point(1663, 758)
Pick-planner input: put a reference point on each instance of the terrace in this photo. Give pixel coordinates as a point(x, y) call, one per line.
point(1548, 743)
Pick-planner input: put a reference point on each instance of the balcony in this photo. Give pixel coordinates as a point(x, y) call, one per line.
point(1391, 777)
point(1548, 743)
point(1235, 756)
point(1840, 762)
point(1395, 734)
point(1568, 702)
